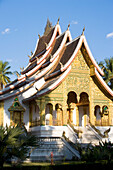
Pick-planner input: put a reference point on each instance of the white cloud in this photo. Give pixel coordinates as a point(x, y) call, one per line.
point(6, 31)
point(74, 22)
point(110, 35)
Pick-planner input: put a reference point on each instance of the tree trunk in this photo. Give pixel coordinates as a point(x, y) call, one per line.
point(1, 85)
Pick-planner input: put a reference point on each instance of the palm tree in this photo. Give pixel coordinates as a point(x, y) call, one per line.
point(4, 73)
point(107, 67)
point(15, 142)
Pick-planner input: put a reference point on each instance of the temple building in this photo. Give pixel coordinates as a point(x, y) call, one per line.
point(61, 84)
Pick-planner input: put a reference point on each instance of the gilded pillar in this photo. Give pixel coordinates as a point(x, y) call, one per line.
point(42, 111)
point(65, 116)
point(77, 116)
point(85, 115)
point(110, 115)
point(51, 115)
point(59, 115)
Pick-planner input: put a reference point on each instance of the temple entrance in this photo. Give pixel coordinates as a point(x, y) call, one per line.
point(72, 101)
point(83, 109)
point(83, 115)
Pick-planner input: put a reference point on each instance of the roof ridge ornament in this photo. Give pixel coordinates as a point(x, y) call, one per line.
point(58, 20)
point(39, 36)
point(68, 26)
point(51, 56)
point(22, 68)
point(29, 56)
point(83, 31)
point(61, 64)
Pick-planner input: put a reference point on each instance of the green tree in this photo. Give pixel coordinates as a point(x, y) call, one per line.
point(48, 27)
point(107, 67)
point(4, 73)
point(15, 142)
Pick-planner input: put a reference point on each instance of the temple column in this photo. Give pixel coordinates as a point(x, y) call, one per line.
point(42, 111)
point(59, 115)
point(77, 116)
point(85, 115)
point(91, 110)
point(110, 117)
point(65, 116)
point(51, 115)
point(30, 115)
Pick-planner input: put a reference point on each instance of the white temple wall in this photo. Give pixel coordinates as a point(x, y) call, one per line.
point(7, 104)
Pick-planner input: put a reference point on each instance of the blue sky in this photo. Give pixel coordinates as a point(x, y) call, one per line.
point(22, 20)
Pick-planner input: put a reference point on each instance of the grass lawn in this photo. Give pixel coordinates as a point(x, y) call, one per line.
point(71, 165)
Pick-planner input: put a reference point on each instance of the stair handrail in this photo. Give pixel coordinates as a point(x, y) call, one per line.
point(73, 150)
point(73, 132)
point(70, 125)
point(96, 133)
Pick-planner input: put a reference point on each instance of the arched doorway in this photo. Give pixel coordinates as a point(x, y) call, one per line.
point(72, 101)
point(49, 114)
point(97, 113)
point(83, 107)
point(105, 116)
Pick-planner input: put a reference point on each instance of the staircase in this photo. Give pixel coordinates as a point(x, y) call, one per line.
point(51, 141)
point(89, 135)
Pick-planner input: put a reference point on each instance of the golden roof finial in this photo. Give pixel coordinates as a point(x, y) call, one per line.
point(22, 68)
point(61, 64)
point(29, 56)
point(39, 36)
point(46, 44)
point(31, 53)
point(51, 56)
point(58, 20)
point(68, 26)
point(83, 30)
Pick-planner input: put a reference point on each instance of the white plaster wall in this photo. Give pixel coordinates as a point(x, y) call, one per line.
point(7, 104)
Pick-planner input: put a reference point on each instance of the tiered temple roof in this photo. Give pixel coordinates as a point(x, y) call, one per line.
point(51, 63)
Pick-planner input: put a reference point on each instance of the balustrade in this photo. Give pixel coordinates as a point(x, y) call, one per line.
point(102, 123)
point(47, 122)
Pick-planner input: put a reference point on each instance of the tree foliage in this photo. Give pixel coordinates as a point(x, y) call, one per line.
point(103, 151)
point(107, 66)
point(15, 142)
point(4, 73)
